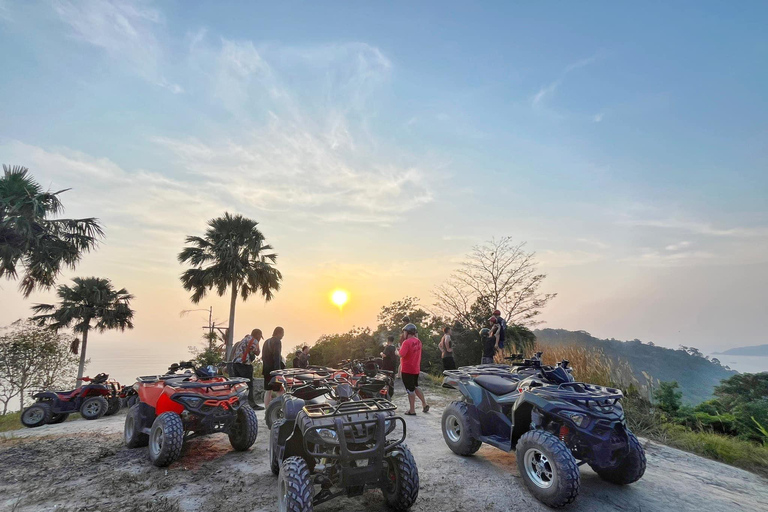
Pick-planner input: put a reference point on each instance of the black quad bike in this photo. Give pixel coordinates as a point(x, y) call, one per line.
point(175, 407)
point(549, 420)
point(305, 383)
point(91, 400)
point(339, 447)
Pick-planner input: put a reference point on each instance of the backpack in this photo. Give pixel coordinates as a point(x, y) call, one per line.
point(503, 328)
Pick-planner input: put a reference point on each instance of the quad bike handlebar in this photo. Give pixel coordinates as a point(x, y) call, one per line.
point(101, 378)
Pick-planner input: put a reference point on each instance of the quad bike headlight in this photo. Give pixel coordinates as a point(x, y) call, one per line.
point(328, 435)
point(579, 419)
point(193, 402)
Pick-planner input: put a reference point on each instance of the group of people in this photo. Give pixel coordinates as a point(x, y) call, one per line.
point(403, 359)
point(245, 351)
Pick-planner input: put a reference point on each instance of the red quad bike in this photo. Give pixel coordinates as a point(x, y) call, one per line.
point(91, 400)
point(367, 376)
point(175, 407)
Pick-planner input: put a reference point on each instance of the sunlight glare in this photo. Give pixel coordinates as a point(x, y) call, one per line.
point(339, 297)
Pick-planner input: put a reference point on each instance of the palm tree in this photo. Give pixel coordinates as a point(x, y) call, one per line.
point(31, 237)
point(231, 256)
point(92, 303)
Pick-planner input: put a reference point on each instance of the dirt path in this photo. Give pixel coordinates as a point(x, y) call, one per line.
point(83, 466)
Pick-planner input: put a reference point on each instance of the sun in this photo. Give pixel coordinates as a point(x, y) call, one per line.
point(339, 297)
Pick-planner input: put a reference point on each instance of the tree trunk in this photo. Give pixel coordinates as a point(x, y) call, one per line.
point(81, 368)
point(231, 330)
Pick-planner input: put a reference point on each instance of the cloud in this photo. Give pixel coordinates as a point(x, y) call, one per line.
point(696, 227)
point(678, 246)
point(552, 258)
point(125, 30)
point(653, 258)
point(597, 117)
point(548, 90)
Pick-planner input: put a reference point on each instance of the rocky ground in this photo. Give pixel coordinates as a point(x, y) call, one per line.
point(84, 466)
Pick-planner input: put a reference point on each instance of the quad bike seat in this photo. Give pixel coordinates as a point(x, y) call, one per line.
point(496, 385)
point(65, 395)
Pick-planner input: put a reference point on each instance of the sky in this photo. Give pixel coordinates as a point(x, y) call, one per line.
point(376, 143)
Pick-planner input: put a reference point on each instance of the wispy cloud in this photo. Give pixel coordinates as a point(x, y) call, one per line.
point(598, 117)
point(696, 227)
point(654, 258)
point(548, 90)
point(125, 30)
point(678, 246)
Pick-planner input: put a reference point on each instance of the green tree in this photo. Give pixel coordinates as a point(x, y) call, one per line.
point(231, 256)
point(32, 357)
point(92, 303)
point(32, 237)
point(668, 399)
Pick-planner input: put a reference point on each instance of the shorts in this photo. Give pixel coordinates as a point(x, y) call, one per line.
point(410, 381)
point(449, 363)
point(486, 360)
point(267, 379)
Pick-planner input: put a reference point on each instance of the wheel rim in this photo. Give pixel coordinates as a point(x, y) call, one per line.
point(539, 469)
point(277, 414)
point(92, 408)
point(156, 442)
point(453, 428)
point(129, 427)
point(34, 414)
point(282, 496)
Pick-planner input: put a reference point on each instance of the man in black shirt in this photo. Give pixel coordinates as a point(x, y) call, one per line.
point(489, 345)
point(272, 359)
point(389, 355)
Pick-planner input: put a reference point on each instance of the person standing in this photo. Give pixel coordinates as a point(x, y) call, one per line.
point(304, 357)
point(502, 327)
point(410, 360)
point(389, 356)
point(446, 350)
point(489, 346)
point(272, 360)
point(243, 354)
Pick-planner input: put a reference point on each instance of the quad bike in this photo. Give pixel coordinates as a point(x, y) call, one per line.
point(129, 396)
point(373, 382)
point(549, 420)
point(113, 400)
point(90, 400)
point(175, 407)
point(339, 447)
point(305, 383)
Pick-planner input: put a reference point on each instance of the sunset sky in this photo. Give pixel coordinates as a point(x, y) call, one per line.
point(377, 142)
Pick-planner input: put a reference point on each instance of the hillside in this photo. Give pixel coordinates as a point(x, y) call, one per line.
point(757, 350)
point(696, 375)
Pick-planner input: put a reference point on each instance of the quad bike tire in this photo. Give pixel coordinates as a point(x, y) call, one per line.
point(131, 401)
point(274, 434)
point(630, 469)
point(94, 407)
point(134, 437)
point(455, 426)
point(113, 405)
point(166, 439)
point(243, 433)
point(58, 418)
point(401, 486)
point(274, 412)
point(36, 415)
point(548, 468)
point(294, 486)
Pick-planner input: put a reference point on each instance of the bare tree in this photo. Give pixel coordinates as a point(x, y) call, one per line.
point(499, 274)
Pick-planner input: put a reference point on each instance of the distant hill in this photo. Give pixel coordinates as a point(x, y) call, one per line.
point(696, 375)
point(757, 350)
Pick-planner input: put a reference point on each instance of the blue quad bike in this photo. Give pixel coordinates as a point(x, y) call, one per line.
point(339, 446)
point(553, 423)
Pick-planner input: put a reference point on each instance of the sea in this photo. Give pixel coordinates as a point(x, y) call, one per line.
point(744, 364)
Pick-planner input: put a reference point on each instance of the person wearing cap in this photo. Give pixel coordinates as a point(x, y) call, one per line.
point(502, 327)
point(489, 346)
point(243, 354)
point(410, 362)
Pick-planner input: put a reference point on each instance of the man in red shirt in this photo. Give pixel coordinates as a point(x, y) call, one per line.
point(410, 365)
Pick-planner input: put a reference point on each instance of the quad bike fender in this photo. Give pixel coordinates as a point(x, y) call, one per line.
point(94, 391)
point(471, 391)
point(291, 408)
point(165, 404)
point(45, 395)
point(526, 411)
